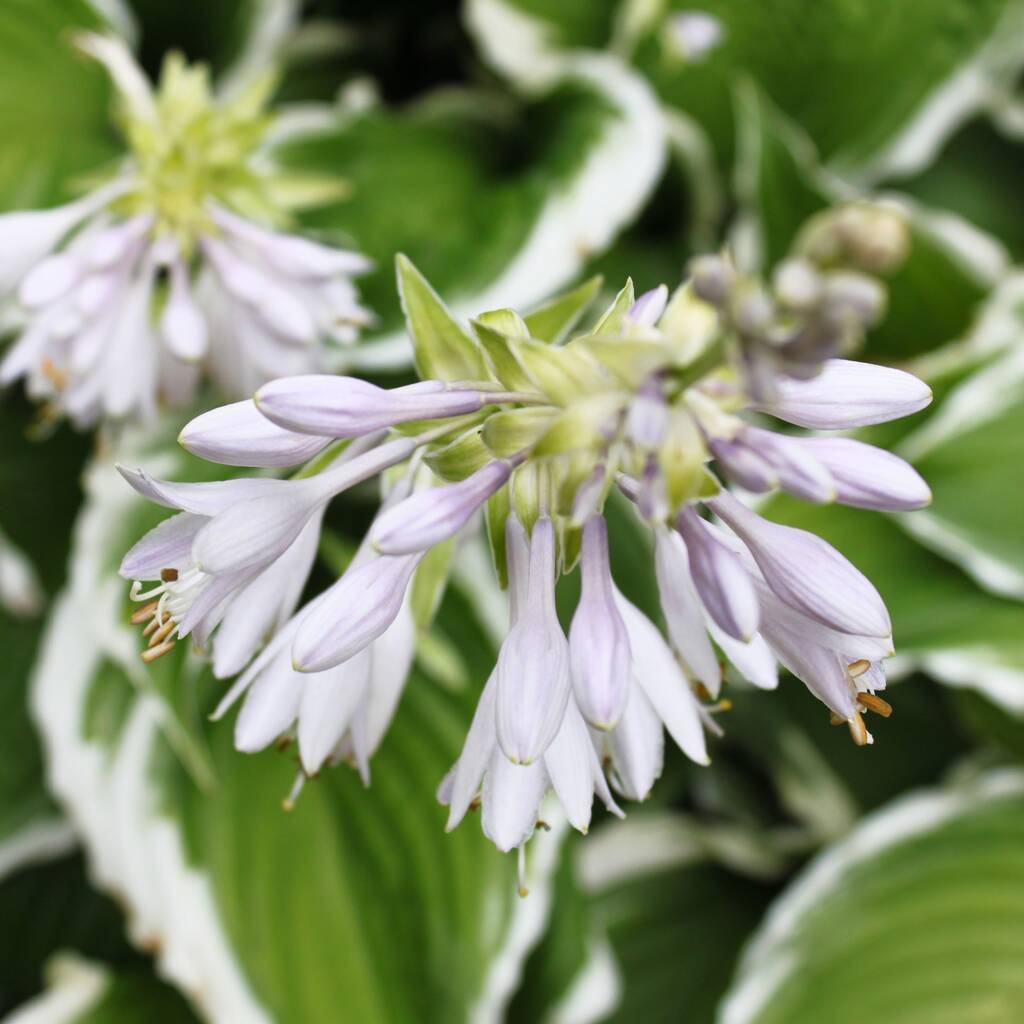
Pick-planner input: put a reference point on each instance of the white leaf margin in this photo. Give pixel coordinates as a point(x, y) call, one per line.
point(981, 398)
point(580, 220)
point(767, 961)
point(74, 986)
point(135, 852)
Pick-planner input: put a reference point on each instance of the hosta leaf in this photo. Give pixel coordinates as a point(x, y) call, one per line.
point(38, 498)
point(698, 911)
point(525, 197)
point(866, 92)
point(49, 907)
point(81, 991)
point(971, 452)
point(249, 906)
point(914, 917)
point(54, 116)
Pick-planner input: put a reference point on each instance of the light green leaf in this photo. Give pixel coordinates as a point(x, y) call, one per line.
point(583, 150)
point(55, 116)
point(505, 321)
point(554, 321)
point(913, 918)
point(506, 433)
point(675, 929)
point(442, 350)
point(461, 457)
point(564, 373)
point(611, 319)
point(579, 427)
point(80, 991)
point(38, 499)
point(501, 352)
point(866, 109)
point(971, 452)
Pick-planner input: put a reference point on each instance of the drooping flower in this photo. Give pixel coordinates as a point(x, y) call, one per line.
point(656, 402)
point(177, 263)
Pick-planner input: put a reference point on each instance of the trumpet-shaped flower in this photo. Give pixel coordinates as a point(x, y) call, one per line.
point(176, 264)
point(653, 402)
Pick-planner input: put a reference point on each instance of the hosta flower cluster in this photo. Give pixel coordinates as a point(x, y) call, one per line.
point(175, 261)
point(662, 403)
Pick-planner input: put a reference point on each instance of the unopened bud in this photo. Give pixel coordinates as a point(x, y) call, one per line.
point(848, 293)
point(753, 311)
point(712, 278)
point(797, 284)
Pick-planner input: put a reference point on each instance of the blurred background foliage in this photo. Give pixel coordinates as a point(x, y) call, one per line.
point(512, 147)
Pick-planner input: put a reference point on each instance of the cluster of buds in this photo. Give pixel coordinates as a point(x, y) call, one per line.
point(820, 301)
point(538, 426)
point(176, 262)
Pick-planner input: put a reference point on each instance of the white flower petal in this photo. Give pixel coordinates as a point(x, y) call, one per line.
point(511, 800)
point(533, 675)
point(569, 764)
point(348, 407)
point(752, 658)
point(329, 700)
point(181, 324)
point(868, 477)
point(468, 771)
point(167, 546)
point(28, 235)
point(128, 78)
point(264, 604)
point(353, 612)
point(682, 609)
point(238, 435)
point(656, 671)
point(49, 280)
point(392, 654)
point(848, 394)
point(637, 747)
point(598, 641)
point(270, 707)
point(257, 531)
point(431, 516)
point(725, 587)
point(205, 499)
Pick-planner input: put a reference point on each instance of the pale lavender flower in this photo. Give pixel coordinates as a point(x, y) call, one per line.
point(656, 401)
point(510, 794)
point(125, 296)
point(598, 639)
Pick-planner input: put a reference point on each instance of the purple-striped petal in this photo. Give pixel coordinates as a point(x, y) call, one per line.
point(353, 612)
point(238, 435)
point(725, 587)
point(347, 406)
point(807, 573)
point(848, 394)
point(869, 477)
point(533, 675)
point(598, 641)
point(431, 516)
